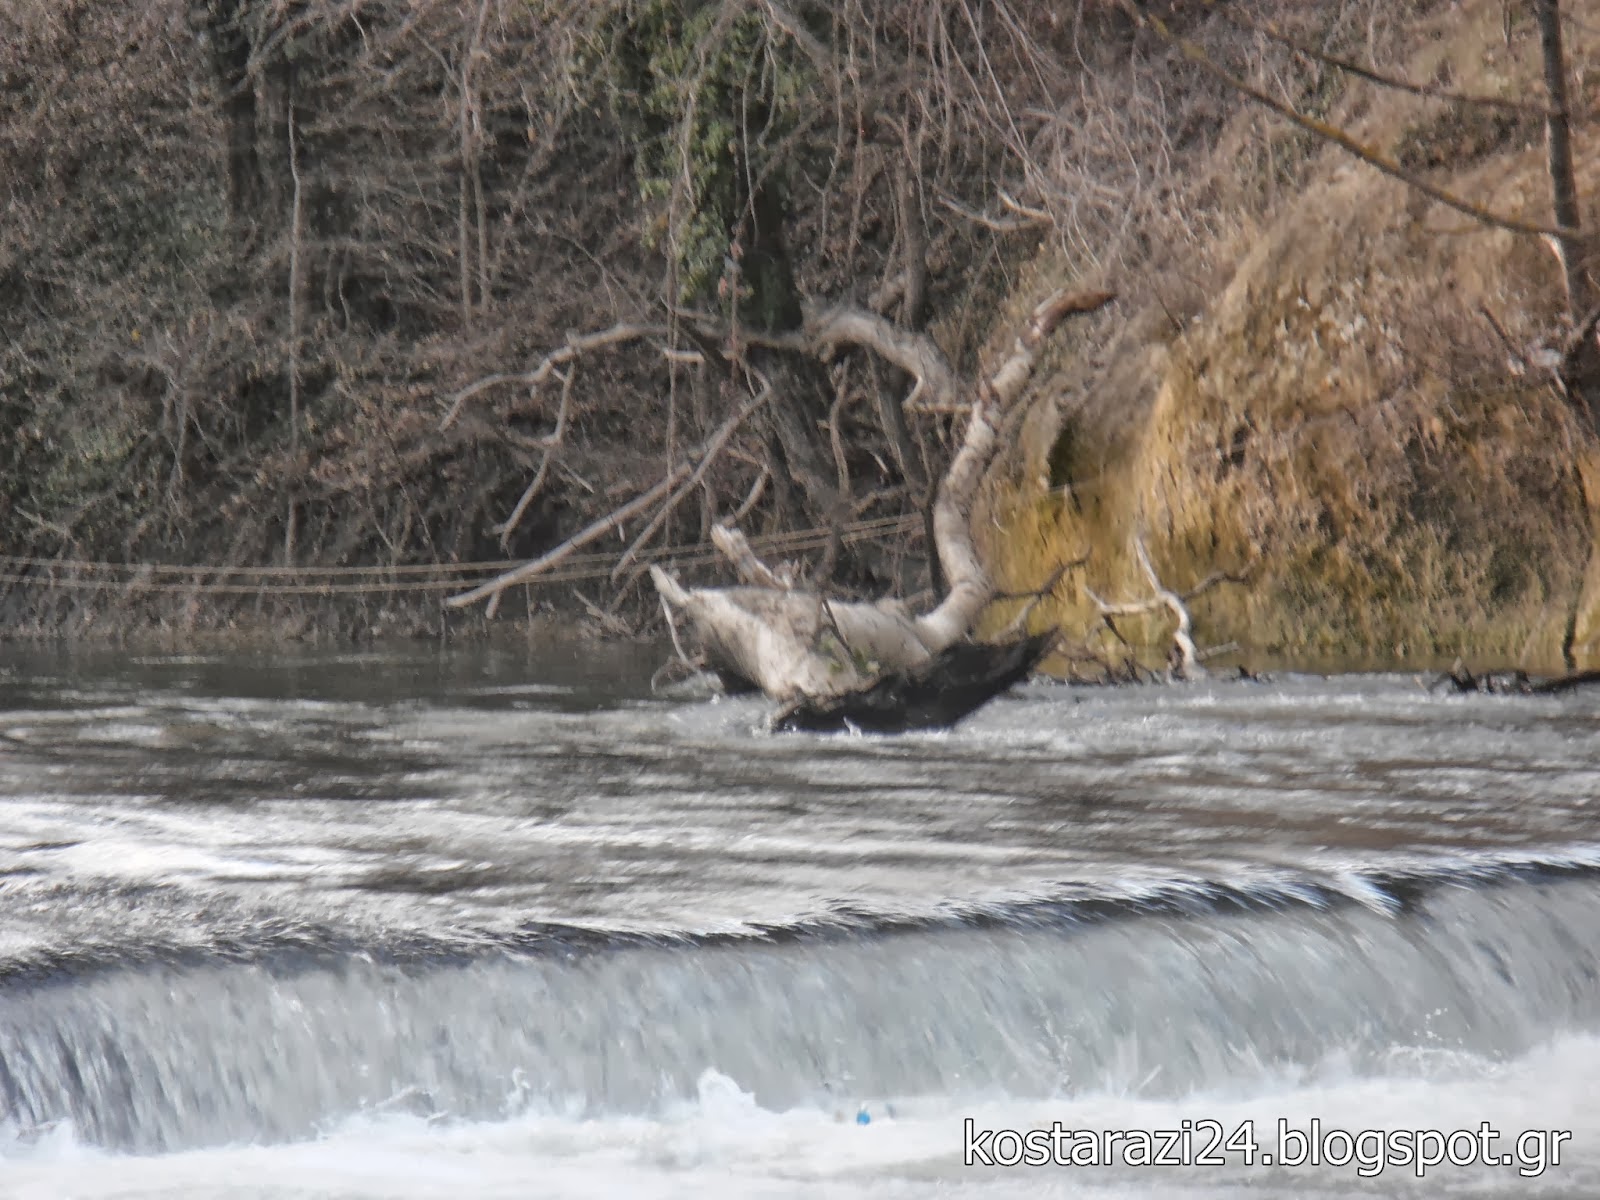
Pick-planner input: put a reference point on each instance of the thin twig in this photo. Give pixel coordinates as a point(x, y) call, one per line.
point(599, 528)
point(1518, 359)
point(551, 443)
point(752, 498)
point(610, 622)
point(1034, 598)
point(296, 221)
point(709, 455)
point(1270, 29)
point(575, 345)
point(997, 224)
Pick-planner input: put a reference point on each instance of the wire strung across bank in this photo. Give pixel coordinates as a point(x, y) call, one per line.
point(93, 575)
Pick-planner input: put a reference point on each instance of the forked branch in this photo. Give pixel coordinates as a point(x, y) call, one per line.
point(1186, 657)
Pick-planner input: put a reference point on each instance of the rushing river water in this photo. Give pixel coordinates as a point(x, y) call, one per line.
point(507, 925)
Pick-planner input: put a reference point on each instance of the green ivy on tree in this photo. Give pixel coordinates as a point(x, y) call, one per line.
point(709, 93)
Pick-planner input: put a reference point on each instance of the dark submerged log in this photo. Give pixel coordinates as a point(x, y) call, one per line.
point(1515, 683)
point(933, 695)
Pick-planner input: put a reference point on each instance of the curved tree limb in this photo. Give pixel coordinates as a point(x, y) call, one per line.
point(965, 576)
point(995, 224)
point(937, 387)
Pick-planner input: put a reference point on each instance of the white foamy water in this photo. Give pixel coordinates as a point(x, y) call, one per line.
point(723, 1146)
point(484, 926)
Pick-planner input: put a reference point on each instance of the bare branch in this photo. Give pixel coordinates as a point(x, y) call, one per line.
point(551, 443)
point(708, 455)
point(610, 622)
point(998, 224)
point(1195, 54)
point(575, 345)
point(296, 232)
point(916, 354)
point(1271, 29)
point(611, 520)
point(1019, 623)
point(1216, 577)
point(813, 49)
point(1036, 215)
point(752, 497)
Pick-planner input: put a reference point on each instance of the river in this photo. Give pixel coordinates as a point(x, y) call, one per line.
point(502, 924)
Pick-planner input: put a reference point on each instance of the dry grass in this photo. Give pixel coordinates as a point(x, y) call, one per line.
point(1337, 407)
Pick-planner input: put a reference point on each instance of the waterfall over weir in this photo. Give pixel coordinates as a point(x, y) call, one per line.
point(156, 1058)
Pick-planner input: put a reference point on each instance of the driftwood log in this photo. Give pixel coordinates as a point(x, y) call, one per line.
point(810, 651)
point(951, 685)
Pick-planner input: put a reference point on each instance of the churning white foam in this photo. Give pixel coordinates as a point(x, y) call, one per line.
point(724, 1147)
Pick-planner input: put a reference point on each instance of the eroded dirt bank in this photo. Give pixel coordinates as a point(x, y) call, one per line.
point(1350, 399)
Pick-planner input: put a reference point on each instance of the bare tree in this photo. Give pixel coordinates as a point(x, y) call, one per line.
point(1572, 246)
point(794, 643)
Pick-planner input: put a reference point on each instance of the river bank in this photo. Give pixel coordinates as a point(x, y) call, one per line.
point(253, 382)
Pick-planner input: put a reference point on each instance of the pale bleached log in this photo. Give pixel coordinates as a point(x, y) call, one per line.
point(735, 547)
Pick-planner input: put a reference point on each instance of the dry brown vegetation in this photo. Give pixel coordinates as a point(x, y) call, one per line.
point(255, 251)
point(1359, 397)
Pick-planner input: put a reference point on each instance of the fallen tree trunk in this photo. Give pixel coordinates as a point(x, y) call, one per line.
point(935, 695)
point(798, 645)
